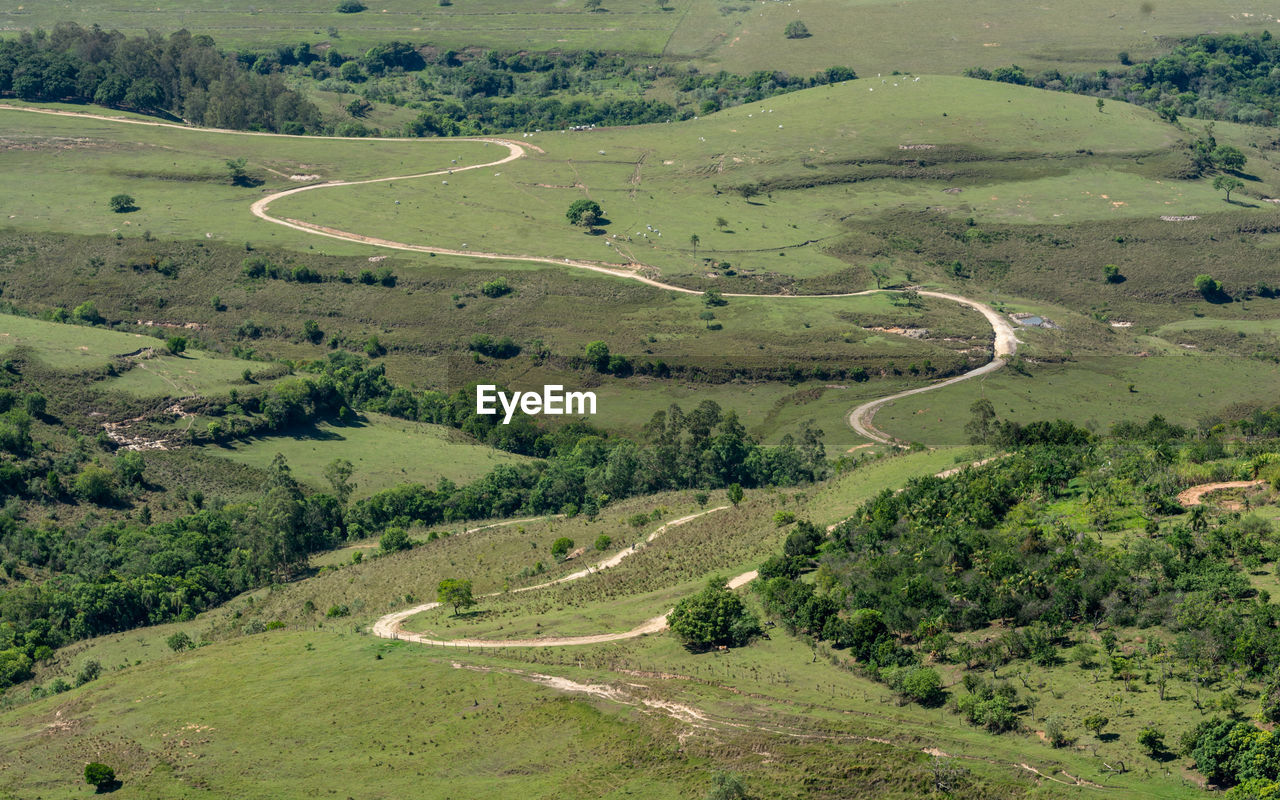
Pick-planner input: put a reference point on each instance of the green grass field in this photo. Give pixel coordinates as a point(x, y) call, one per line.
point(879, 36)
point(173, 724)
point(1093, 392)
point(678, 179)
point(81, 348)
point(629, 25)
point(69, 347)
point(385, 452)
point(869, 35)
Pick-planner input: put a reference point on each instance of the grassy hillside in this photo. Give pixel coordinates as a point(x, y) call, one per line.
point(629, 25)
point(385, 452)
point(937, 36)
point(642, 716)
point(873, 36)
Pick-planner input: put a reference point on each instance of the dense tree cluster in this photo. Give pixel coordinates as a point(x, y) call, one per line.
point(183, 76)
point(125, 574)
point(911, 572)
point(1214, 76)
point(463, 93)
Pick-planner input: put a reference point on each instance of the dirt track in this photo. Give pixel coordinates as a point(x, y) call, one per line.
point(860, 418)
point(1193, 496)
point(389, 626)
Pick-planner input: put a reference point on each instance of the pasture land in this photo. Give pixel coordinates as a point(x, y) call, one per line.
point(880, 36)
point(627, 25)
point(385, 452)
point(1093, 392)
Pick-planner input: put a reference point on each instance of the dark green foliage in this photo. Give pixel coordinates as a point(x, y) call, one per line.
point(179, 641)
point(122, 203)
point(915, 684)
point(350, 7)
point(597, 355)
point(176, 345)
point(184, 76)
point(796, 30)
point(485, 344)
point(99, 775)
point(580, 207)
point(603, 542)
point(713, 617)
point(394, 540)
point(1208, 287)
point(727, 787)
point(496, 287)
point(561, 547)
point(804, 540)
point(89, 671)
point(1152, 741)
point(1214, 76)
point(1229, 752)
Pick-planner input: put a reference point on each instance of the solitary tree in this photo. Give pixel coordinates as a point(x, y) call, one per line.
point(1094, 723)
point(1152, 741)
point(714, 616)
point(455, 592)
point(879, 272)
point(1207, 286)
point(1100, 105)
point(338, 474)
point(722, 223)
point(236, 172)
point(1112, 273)
point(593, 5)
point(99, 775)
point(695, 240)
point(121, 203)
point(561, 547)
point(796, 30)
point(1228, 184)
point(176, 345)
point(394, 540)
point(598, 356)
point(982, 424)
point(581, 206)
point(735, 493)
point(179, 642)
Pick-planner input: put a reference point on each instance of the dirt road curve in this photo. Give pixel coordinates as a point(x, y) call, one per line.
point(1006, 344)
point(860, 418)
point(389, 626)
point(1192, 497)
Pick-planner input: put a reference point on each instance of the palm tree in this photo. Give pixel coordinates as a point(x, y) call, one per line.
point(695, 241)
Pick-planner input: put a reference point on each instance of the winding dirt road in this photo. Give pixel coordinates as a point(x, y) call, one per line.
point(860, 418)
point(1194, 496)
point(389, 626)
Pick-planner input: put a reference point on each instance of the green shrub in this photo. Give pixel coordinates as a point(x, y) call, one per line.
point(98, 775)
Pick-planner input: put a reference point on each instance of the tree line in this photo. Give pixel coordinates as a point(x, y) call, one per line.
point(913, 575)
point(181, 76)
point(1214, 76)
point(68, 583)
